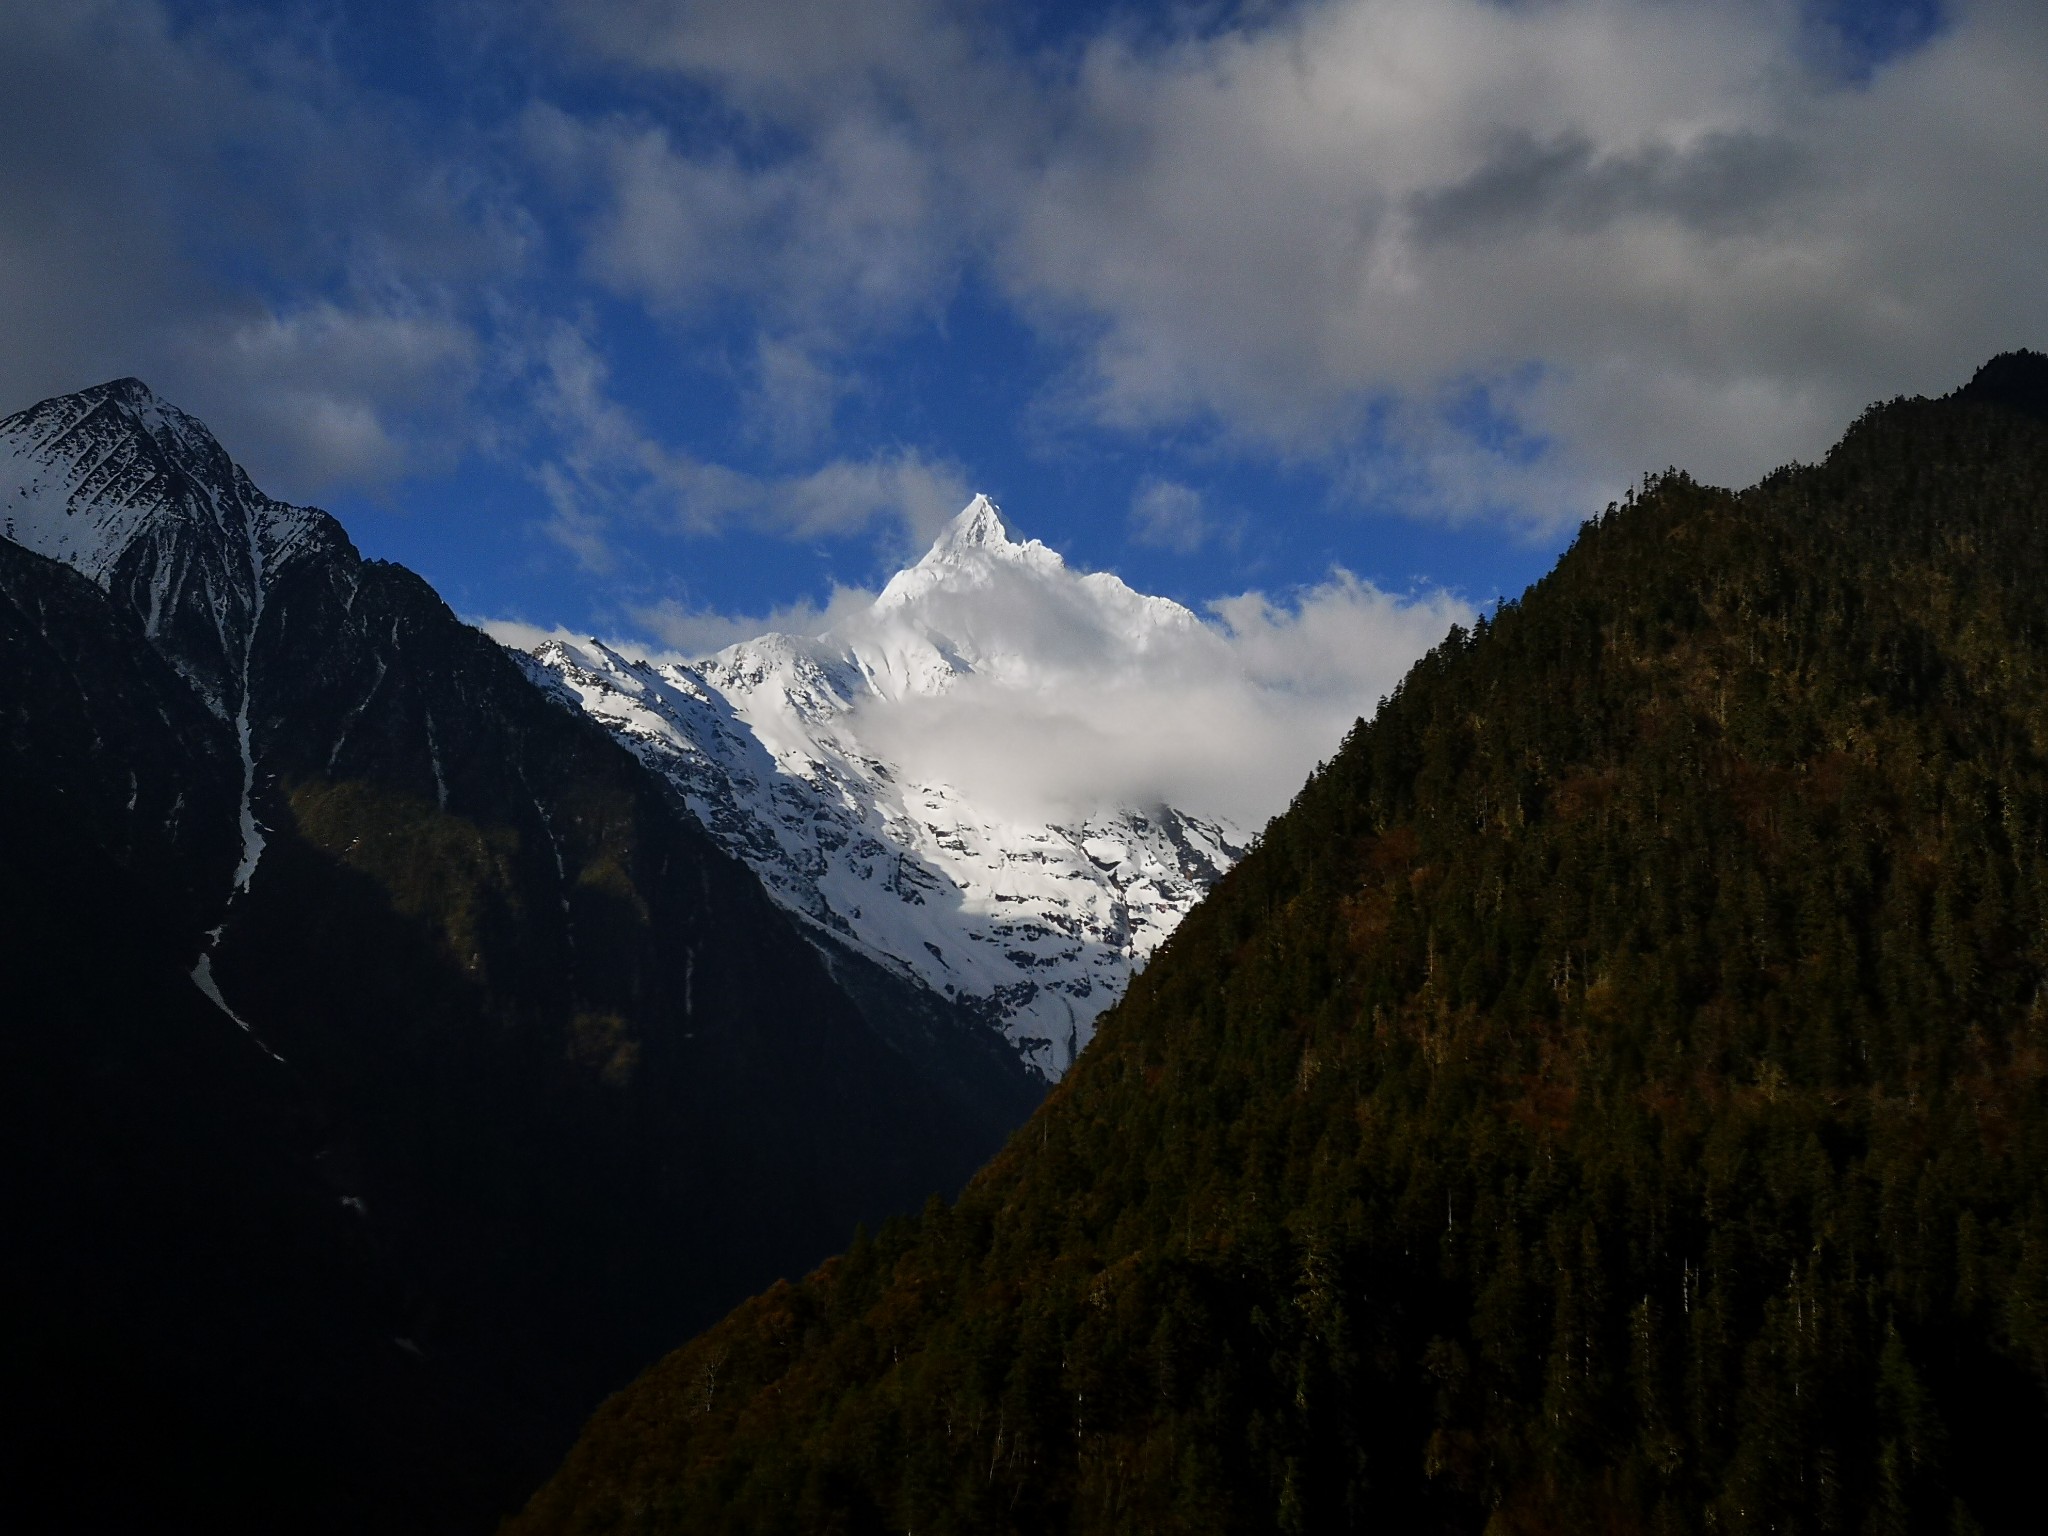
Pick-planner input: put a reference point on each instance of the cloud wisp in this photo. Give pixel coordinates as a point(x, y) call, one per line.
point(607, 466)
point(1168, 515)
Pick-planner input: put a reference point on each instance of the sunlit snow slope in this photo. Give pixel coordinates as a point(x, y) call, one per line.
point(1037, 923)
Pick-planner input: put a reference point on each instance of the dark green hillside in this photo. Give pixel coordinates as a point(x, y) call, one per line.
point(1613, 1098)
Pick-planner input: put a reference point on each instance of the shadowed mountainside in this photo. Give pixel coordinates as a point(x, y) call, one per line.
point(392, 1064)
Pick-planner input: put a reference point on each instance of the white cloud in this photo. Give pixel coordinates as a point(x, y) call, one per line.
point(682, 228)
point(784, 58)
point(694, 633)
point(1654, 233)
point(903, 485)
point(826, 247)
point(1081, 709)
point(348, 388)
point(793, 396)
point(1659, 233)
point(1714, 254)
point(670, 631)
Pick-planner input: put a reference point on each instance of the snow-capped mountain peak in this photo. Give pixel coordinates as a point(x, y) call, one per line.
point(103, 480)
point(972, 554)
point(982, 601)
point(143, 501)
point(1036, 923)
point(979, 525)
point(184, 438)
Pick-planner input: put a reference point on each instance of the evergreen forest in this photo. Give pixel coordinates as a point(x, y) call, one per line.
point(1612, 1098)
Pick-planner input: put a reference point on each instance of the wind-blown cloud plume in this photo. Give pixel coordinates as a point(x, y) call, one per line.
point(1223, 717)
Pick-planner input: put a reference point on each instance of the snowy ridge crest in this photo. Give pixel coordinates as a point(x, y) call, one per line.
point(142, 500)
point(91, 478)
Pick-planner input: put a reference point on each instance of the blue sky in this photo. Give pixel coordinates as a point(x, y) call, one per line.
point(666, 319)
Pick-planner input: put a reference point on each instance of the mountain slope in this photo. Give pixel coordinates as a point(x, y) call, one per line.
point(189, 1305)
point(526, 1075)
point(1032, 924)
point(1613, 1097)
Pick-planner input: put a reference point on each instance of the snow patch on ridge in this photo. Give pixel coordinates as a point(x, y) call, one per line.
point(202, 978)
point(252, 834)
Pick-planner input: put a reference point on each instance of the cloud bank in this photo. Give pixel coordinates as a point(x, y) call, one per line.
point(1223, 718)
point(1462, 259)
point(1481, 259)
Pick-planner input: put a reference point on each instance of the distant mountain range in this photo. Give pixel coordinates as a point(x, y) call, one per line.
point(1034, 925)
point(1613, 1097)
point(391, 1064)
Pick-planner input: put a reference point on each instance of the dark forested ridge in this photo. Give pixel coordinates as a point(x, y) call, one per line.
point(1614, 1097)
point(532, 1078)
